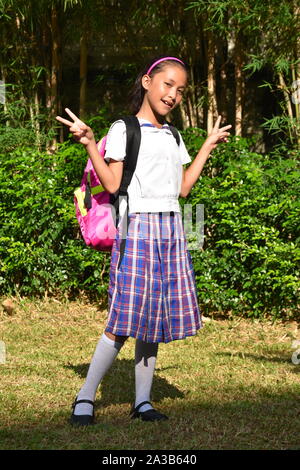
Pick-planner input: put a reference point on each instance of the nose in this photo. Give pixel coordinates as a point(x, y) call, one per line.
point(172, 94)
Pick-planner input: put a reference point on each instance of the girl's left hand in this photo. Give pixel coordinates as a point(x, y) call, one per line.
point(217, 135)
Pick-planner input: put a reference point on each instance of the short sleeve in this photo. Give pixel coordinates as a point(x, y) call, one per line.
point(116, 142)
point(185, 158)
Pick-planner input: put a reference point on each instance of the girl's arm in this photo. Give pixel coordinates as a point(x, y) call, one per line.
point(192, 173)
point(109, 175)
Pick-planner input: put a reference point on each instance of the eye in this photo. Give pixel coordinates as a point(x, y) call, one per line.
point(168, 84)
point(180, 92)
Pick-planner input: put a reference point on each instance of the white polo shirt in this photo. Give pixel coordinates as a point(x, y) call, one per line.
point(156, 182)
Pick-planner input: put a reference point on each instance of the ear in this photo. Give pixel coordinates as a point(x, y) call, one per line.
point(146, 80)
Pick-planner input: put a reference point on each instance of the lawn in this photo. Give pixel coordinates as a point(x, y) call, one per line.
point(233, 386)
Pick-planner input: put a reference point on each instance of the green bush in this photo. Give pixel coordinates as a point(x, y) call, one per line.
point(249, 263)
point(41, 249)
point(11, 138)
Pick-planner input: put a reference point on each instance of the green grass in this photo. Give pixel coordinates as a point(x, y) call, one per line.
point(233, 386)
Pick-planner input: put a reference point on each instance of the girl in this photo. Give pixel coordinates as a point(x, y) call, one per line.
point(152, 294)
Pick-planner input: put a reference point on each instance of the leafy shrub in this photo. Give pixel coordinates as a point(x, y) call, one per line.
point(41, 249)
point(11, 138)
point(249, 263)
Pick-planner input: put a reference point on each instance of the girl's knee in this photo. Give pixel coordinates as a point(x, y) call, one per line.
point(118, 339)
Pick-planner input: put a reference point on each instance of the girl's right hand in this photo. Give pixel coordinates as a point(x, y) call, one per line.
point(81, 132)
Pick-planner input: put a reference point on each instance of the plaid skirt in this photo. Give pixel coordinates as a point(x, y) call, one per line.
point(152, 292)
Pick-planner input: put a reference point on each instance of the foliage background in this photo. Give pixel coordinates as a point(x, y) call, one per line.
point(244, 59)
point(249, 263)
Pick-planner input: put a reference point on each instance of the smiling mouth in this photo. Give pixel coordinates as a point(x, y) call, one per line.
point(168, 103)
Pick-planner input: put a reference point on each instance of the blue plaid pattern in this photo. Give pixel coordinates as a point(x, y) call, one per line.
point(152, 296)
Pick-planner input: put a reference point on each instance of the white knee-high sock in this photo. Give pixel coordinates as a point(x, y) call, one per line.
point(145, 359)
point(105, 353)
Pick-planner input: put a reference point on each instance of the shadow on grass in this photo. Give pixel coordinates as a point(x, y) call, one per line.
point(118, 385)
point(242, 418)
point(264, 421)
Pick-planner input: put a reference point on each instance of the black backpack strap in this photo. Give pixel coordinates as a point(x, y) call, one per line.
point(133, 141)
point(174, 132)
point(133, 131)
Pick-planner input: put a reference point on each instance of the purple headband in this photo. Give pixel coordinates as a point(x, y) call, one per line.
point(162, 60)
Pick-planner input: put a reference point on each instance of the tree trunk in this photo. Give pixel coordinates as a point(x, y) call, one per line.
point(296, 77)
point(297, 45)
point(223, 53)
point(193, 100)
point(36, 122)
point(3, 99)
point(223, 98)
point(296, 87)
point(83, 70)
point(54, 71)
point(285, 92)
point(295, 99)
point(34, 105)
point(211, 84)
point(239, 87)
point(184, 105)
point(189, 108)
point(184, 116)
point(47, 64)
point(224, 85)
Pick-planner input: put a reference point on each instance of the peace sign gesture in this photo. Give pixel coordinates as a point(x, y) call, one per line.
point(81, 132)
point(217, 135)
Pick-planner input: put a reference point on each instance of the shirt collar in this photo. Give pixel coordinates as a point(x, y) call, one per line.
point(145, 123)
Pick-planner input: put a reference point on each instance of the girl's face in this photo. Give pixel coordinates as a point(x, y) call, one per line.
point(165, 89)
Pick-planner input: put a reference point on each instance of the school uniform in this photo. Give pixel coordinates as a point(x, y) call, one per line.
point(152, 293)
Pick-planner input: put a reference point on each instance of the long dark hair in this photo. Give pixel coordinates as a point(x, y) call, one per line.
point(137, 92)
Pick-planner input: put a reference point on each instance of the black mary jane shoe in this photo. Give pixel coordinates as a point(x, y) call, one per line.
point(82, 420)
point(149, 415)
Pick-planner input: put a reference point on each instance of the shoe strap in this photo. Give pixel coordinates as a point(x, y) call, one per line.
point(141, 404)
point(76, 402)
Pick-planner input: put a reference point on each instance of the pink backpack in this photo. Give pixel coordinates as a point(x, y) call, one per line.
point(93, 208)
point(96, 208)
